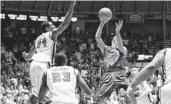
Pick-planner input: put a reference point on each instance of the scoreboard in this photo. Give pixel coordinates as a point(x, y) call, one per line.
point(144, 58)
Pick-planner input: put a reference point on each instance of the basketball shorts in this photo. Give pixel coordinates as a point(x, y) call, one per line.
point(108, 83)
point(37, 70)
point(165, 94)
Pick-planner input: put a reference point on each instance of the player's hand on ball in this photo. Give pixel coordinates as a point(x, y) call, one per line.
point(119, 25)
point(105, 15)
point(103, 21)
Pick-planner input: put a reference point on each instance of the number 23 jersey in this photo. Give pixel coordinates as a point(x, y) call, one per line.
point(44, 47)
point(61, 81)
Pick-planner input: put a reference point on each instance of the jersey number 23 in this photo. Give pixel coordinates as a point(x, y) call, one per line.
point(58, 77)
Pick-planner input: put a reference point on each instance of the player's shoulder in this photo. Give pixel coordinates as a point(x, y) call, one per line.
point(168, 49)
point(161, 53)
point(70, 68)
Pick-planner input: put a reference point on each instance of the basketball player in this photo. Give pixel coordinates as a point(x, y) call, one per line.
point(162, 58)
point(42, 46)
point(61, 80)
point(112, 63)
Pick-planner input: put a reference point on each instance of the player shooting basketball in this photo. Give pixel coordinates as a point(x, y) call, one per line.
point(112, 62)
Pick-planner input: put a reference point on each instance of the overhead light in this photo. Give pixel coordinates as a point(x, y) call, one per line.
point(21, 17)
point(33, 18)
point(41, 19)
point(54, 19)
point(74, 19)
point(60, 20)
point(2, 16)
point(12, 16)
point(45, 17)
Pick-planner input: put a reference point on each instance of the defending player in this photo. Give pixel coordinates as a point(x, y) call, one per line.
point(43, 46)
point(162, 58)
point(62, 80)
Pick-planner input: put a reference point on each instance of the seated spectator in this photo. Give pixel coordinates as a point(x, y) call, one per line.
point(84, 73)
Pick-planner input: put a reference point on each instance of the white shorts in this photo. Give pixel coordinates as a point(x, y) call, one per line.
point(165, 96)
point(37, 70)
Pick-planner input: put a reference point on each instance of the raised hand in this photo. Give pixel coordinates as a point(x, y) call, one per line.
point(119, 25)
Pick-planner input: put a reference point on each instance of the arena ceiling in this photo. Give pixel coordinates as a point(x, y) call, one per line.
point(86, 7)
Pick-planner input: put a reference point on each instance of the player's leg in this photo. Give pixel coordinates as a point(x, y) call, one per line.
point(121, 86)
point(43, 68)
point(37, 70)
point(34, 84)
point(105, 88)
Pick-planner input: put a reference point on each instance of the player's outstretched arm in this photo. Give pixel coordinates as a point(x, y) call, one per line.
point(118, 36)
point(98, 38)
point(30, 54)
point(81, 83)
point(65, 24)
point(149, 69)
point(44, 88)
point(145, 73)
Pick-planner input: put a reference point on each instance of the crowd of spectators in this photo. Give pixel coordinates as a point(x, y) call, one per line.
point(15, 78)
point(148, 43)
point(80, 47)
point(15, 82)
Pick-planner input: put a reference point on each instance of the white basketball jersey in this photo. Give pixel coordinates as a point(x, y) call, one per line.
point(44, 46)
point(61, 81)
point(167, 64)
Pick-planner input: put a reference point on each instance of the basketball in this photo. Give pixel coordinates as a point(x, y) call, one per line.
point(105, 14)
